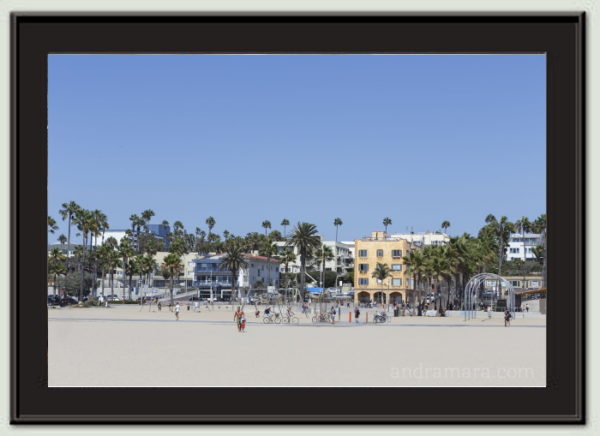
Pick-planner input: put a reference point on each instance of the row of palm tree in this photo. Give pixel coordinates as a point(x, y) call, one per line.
point(430, 266)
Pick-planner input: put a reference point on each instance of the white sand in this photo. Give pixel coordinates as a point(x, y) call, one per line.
point(123, 346)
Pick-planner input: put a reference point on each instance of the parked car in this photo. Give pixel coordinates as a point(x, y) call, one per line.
point(68, 300)
point(113, 298)
point(53, 300)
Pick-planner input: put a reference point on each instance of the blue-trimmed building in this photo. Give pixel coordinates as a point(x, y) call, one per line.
point(210, 275)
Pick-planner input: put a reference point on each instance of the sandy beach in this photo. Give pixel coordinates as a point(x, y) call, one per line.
point(125, 346)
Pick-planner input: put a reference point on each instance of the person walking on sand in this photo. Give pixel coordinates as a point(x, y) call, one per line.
point(237, 317)
point(356, 314)
point(243, 322)
point(159, 305)
point(177, 309)
point(507, 317)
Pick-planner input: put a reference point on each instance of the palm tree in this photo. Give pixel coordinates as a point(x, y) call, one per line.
point(445, 225)
point(233, 261)
point(525, 226)
point(137, 223)
point(147, 267)
point(147, 216)
point(387, 221)
point(443, 268)
point(62, 239)
point(286, 258)
point(305, 239)
point(540, 226)
point(125, 252)
point(210, 222)
point(56, 266)
point(68, 212)
point(266, 225)
point(82, 219)
point(268, 249)
point(337, 222)
point(285, 222)
point(322, 255)
point(381, 272)
point(415, 263)
point(52, 227)
point(501, 231)
point(171, 267)
point(112, 261)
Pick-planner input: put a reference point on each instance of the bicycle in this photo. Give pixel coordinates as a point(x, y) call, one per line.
point(321, 317)
point(290, 319)
point(273, 318)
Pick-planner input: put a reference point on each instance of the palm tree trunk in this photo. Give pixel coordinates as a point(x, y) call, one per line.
point(302, 273)
point(171, 290)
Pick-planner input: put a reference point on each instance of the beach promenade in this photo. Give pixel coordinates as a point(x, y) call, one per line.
point(125, 346)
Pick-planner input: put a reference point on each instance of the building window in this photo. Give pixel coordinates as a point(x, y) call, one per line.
point(514, 250)
point(379, 253)
point(362, 253)
point(396, 282)
point(396, 267)
point(515, 283)
point(363, 267)
point(363, 282)
point(396, 253)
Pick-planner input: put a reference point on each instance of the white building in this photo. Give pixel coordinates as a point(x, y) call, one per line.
point(208, 272)
point(423, 238)
point(521, 246)
point(343, 257)
point(118, 234)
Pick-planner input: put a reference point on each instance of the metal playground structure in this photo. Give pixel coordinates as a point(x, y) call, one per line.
point(473, 296)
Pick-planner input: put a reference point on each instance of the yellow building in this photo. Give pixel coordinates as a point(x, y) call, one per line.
point(380, 248)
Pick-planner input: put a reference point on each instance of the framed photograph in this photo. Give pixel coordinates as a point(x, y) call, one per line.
point(297, 218)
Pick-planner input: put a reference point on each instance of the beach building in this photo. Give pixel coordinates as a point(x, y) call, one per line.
point(423, 238)
point(211, 276)
point(381, 248)
point(521, 246)
point(343, 260)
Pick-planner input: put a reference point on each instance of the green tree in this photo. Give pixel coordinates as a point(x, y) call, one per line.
point(445, 225)
point(52, 227)
point(387, 221)
point(171, 269)
point(381, 272)
point(210, 222)
point(539, 226)
point(337, 222)
point(323, 254)
point(67, 212)
point(266, 225)
point(233, 261)
point(305, 239)
point(286, 257)
point(56, 266)
point(285, 222)
point(126, 252)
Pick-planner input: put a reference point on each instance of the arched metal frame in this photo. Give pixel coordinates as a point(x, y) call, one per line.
point(471, 296)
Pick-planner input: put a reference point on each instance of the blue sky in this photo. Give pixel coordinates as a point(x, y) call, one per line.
point(244, 138)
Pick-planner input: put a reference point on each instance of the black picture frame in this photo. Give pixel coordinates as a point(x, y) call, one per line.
point(561, 36)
